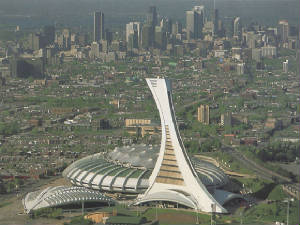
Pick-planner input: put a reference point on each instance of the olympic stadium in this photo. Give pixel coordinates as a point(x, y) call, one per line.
point(127, 170)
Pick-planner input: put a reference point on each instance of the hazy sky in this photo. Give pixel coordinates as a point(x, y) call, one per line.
point(120, 11)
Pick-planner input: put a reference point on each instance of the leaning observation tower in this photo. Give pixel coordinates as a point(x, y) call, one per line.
point(174, 177)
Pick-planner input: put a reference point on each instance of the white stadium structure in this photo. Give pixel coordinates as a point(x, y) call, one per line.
point(62, 196)
point(127, 169)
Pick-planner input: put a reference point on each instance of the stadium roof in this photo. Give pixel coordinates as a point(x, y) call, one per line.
point(61, 196)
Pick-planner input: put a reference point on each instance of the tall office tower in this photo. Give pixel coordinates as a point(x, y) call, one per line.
point(98, 26)
point(228, 27)
point(174, 178)
point(108, 35)
point(203, 114)
point(194, 24)
point(176, 28)
point(152, 21)
point(201, 9)
point(216, 22)
point(283, 30)
point(199, 18)
point(35, 41)
point(49, 34)
point(237, 28)
point(147, 36)
point(168, 25)
point(160, 39)
point(190, 27)
point(133, 28)
point(133, 41)
point(152, 16)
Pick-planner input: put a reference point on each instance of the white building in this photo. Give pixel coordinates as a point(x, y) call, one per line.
point(285, 66)
point(131, 28)
point(269, 51)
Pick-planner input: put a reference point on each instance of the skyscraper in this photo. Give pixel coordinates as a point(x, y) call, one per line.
point(190, 20)
point(49, 33)
point(147, 34)
point(203, 114)
point(237, 28)
point(152, 21)
point(216, 22)
point(152, 16)
point(133, 28)
point(98, 26)
point(176, 28)
point(160, 40)
point(283, 30)
point(201, 9)
point(194, 24)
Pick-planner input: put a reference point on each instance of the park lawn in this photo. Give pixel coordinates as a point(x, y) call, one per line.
point(276, 211)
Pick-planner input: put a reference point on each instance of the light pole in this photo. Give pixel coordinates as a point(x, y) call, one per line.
point(288, 209)
point(241, 214)
point(156, 211)
point(197, 218)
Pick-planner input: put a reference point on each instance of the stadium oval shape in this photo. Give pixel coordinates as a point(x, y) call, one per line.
point(127, 170)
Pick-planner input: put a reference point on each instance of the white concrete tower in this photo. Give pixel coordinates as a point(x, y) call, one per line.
point(174, 178)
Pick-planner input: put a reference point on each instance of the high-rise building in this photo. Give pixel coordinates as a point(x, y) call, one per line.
point(166, 25)
point(149, 30)
point(133, 41)
point(190, 27)
point(160, 39)
point(49, 34)
point(133, 28)
point(35, 41)
point(203, 114)
point(283, 30)
point(152, 16)
point(98, 26)
point(194, 24)
point(201, 9)
point(176, 28)
point(237, 28)
point(147, 34)
point(216, 22)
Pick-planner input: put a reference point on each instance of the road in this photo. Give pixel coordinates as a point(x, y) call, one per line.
point(250, 164)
